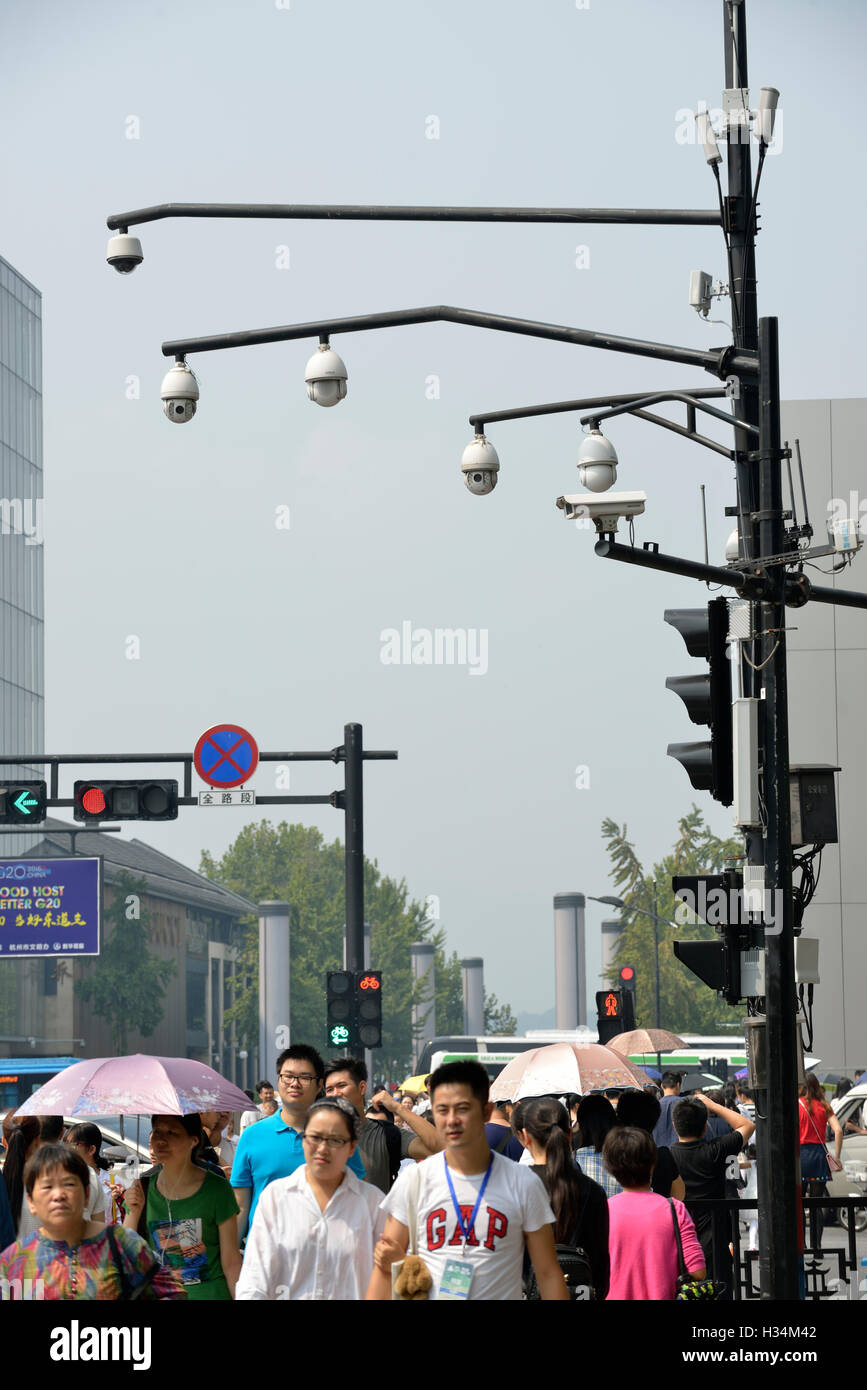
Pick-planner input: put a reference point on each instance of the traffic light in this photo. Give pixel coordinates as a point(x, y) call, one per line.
point(708, 698)
point(716, 899)
point(626, 976)
point(23, 803)
point(148, 800)
point(368, 1008)
point(340, 1006)
point(609, 1013)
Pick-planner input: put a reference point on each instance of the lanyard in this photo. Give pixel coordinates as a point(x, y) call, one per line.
point(466, 1231)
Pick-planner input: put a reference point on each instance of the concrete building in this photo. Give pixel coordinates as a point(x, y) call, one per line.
point(194, 923)
point(827, 667)
point(22, 607)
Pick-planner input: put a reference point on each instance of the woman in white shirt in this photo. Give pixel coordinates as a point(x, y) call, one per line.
point(314, 1233)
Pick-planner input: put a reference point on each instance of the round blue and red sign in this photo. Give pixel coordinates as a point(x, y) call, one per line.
point(226, 756)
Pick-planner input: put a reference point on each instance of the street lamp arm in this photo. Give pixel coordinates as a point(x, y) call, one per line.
point(721, 362)
point(523, 412)
point(359, 212)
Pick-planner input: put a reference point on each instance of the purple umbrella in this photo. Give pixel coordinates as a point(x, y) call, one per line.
point(136, 1085)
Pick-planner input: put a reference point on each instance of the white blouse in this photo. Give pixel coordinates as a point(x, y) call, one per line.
point(294, 1250)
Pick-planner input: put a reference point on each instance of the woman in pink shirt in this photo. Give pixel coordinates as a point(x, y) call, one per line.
point(641, 1239)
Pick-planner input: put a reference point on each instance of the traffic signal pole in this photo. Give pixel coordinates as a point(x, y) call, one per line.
point(354, 838)
point(780, 1153)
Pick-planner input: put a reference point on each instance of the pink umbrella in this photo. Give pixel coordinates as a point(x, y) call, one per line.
point(136, 1085)
point(560, 1067)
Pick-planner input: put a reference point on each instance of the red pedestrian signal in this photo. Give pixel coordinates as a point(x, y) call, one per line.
point(609, 1013)
point(612, 1006)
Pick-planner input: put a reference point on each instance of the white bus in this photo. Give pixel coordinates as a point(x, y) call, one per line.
point(723, 1056)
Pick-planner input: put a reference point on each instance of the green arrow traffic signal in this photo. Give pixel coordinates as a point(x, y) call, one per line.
point(23, 802)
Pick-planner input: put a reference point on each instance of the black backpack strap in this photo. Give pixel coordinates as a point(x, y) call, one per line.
point(501, 1147)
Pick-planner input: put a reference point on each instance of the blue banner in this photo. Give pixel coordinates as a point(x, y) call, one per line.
point(50, 907)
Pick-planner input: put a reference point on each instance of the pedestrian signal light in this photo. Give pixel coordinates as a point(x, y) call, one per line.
point(145, 800)
point(609, 1013)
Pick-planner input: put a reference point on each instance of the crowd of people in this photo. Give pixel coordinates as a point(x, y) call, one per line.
point(330, 1194)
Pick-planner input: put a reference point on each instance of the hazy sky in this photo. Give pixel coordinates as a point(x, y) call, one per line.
point(168, 534)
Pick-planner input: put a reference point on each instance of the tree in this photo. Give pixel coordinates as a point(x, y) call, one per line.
point(499, 1018)
point(127, 986)
point(293, 863)
point(686, 1005)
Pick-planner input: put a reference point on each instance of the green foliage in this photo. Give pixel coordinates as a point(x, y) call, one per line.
point(686, 1005)
point(293, 863)
point(499, 1018)
point(127, 985)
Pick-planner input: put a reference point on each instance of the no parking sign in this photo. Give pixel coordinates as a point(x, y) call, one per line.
point(226, 756)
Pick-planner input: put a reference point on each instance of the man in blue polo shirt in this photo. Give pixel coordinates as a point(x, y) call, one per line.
point(272, 1148)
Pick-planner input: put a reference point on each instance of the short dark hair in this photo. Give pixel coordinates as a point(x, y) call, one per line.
point(301, 1052)
point(50, 1156)
point(50, 1129)
point(354, 1065)
point(639, 1110)
point(744, 1090)
point(629, 1154)
point(689, 1118)
point(596, 1115)
point(470, 1074)
point(260, 1084)
point(670, 1079)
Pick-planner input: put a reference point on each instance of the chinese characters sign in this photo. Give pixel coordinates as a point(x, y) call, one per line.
point(235, 798)
point(50, 907)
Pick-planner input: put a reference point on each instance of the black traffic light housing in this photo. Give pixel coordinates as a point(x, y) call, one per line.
point(149, 799)
point(716, 898)
point(354, 1008)
point(609, 1013)
point(340, 1008)
point(23, 803)
point(368, 1008)
point(708, 698)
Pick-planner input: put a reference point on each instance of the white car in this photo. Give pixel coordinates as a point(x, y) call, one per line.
point(852, 1179)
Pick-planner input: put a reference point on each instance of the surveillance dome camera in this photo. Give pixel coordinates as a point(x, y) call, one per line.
point(480, 466)
point(179, 393)
point(325, 376)
point(733, 546)
point(124, 253)
point(597, 462)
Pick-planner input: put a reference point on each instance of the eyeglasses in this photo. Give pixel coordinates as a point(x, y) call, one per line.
point(333, 1143)
point(303, 1078)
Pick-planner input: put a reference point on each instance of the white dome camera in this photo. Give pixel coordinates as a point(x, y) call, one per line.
point(480, 466)
point(325, 376)
point(597, 462)
point(124, 253)
point(733, 546)
point(179, 393)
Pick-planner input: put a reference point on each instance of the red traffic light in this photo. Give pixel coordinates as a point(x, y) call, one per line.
point(93, 801)
point(627, 973)
point(369, 982)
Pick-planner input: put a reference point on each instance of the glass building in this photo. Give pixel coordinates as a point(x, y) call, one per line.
point(22, 610)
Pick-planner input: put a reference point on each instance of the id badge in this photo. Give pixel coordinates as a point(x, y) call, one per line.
point(456, 1281)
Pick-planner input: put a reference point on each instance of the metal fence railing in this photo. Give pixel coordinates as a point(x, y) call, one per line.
point(830, 1272)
